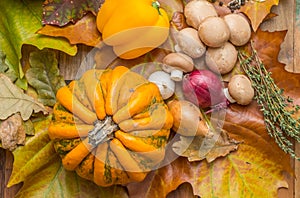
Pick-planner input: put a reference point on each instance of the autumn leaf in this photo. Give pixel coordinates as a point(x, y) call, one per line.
point(207, 148)
point(13, 100)
point(19, 21)
point(257, 11)
point(83, 31)
point(37, 152)
point(54, 181)
point(4, 68)
point(61, 12)
point(43, 75)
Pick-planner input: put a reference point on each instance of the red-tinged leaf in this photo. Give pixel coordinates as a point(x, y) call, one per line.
point(61, 12)
point(82, 32)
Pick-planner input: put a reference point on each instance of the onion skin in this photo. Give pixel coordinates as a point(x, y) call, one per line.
point(187, 119)
point(203, 88)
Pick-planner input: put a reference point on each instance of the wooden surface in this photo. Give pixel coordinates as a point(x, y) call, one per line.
point(288, 11)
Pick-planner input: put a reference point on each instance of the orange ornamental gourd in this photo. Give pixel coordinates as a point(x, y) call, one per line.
point(132, 27)
point(110, 126)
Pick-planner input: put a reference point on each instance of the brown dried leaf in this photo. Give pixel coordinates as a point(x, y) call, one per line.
point(208, 148)
point(82, 32)
point(12, 132)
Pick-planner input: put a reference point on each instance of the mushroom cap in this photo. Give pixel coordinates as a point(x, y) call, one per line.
point(196, 11)
point(240, 30)
point(190, 43)
point(240, 89)
point(178, 61)
point(221, 59)
point(214, 31)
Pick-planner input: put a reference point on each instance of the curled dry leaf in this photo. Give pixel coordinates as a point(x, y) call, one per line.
point(13, 100)
point(12, 132)
point(208, 148)
point(82, 32)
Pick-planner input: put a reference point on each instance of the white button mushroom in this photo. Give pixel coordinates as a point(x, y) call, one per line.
point(221, 60)
point(164, 83)
point(240, 89)
point(189, 43)
point(214, 32)
point(196, 11)
point(176, 63)
point(240, 30)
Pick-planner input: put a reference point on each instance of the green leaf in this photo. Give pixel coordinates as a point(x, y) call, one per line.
point(4, 68)
point(54, 182)
point(37, 152)
point(44, 76)
point(13, 100)
point(61, 12)
point(19, 22)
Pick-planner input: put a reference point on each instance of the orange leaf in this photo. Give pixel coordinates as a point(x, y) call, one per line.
point(257, 11)
point(83, 32)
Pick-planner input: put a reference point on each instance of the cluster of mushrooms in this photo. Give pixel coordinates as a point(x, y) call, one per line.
point(212, 40)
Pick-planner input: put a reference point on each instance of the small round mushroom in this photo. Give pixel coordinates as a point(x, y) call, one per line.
point(214, 32)
point(164, 83)
point(196, 11)
point(176, 63)
point(189, 43)
point(221, 60)
point(240, 89)
point(240, 30)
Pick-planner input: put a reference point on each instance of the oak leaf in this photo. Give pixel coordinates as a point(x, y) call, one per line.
point(43, 75)
point(61, 12)
point(13, 100)
point(83, 31)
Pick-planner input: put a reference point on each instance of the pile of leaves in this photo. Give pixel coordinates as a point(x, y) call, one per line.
point(28, 89)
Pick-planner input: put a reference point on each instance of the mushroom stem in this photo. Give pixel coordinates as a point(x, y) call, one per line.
point(176, 75)
point(228, 96)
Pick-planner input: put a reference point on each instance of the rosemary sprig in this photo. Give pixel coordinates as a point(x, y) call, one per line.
point(279, 122)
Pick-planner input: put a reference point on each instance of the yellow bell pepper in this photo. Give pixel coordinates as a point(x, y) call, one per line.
point(132, 27)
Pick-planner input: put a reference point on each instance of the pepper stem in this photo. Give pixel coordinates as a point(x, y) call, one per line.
point(156, 5)
point(102, 132)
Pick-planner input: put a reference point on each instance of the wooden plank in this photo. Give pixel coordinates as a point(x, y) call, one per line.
point(296, 69)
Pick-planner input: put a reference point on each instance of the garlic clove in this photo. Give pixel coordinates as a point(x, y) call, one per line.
point(164, 82)
point(228, 96)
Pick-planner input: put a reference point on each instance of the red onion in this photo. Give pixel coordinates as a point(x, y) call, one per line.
point(203, 88)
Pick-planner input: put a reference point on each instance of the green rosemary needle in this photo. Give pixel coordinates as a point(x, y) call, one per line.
point(279, 121)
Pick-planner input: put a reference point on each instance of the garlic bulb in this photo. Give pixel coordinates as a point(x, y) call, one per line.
point(164, 83)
